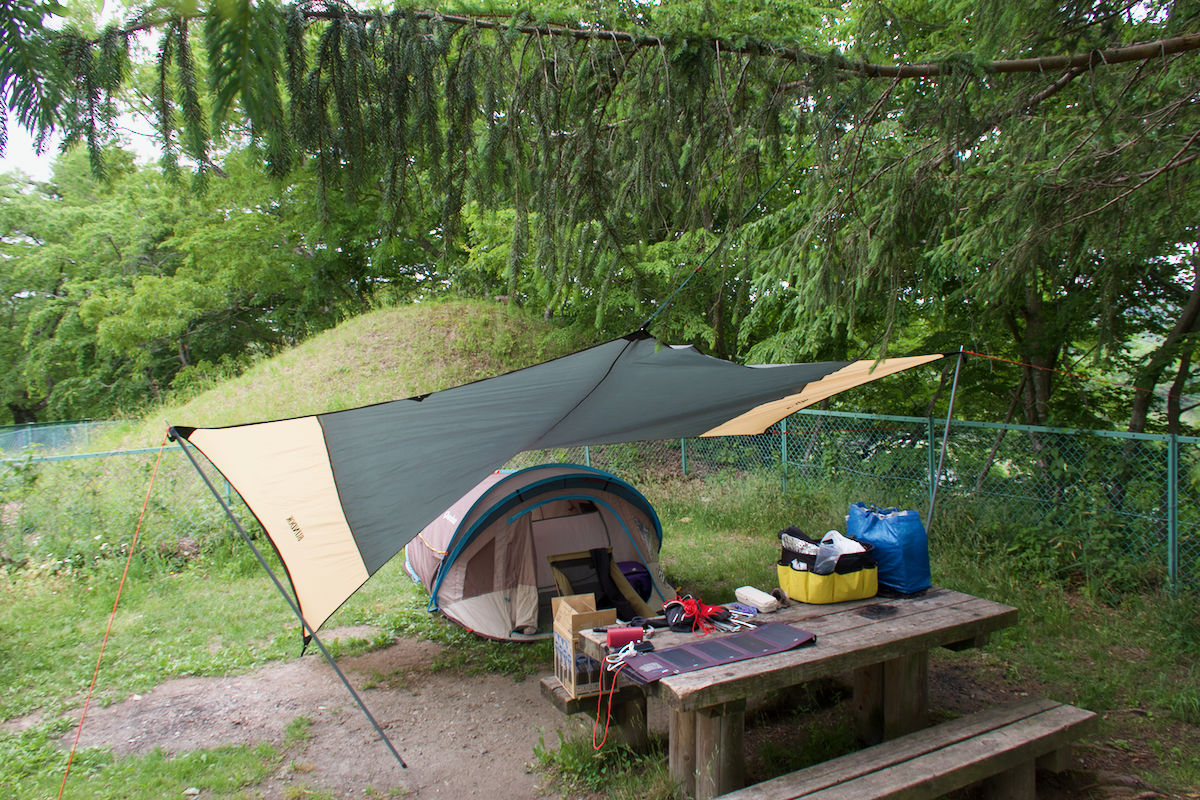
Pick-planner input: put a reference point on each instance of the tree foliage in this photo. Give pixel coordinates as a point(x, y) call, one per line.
point(120, 287)
point(849, 181)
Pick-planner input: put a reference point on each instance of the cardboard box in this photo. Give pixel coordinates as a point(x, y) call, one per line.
point(579, 673)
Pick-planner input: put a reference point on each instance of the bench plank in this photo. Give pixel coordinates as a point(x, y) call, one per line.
point(962, 764)
point(937, 760)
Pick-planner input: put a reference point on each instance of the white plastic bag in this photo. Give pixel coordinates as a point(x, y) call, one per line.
point(833, 546)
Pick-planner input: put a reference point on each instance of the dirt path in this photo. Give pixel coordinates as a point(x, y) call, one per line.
point(474, 736)
point(461, 736)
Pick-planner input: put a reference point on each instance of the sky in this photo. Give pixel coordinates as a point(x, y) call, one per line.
point(20, 154)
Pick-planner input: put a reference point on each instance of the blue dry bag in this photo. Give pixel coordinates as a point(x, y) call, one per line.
point(901, 546)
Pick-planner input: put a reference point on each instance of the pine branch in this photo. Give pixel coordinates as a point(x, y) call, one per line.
point(1176, 161)
point(1042, 64)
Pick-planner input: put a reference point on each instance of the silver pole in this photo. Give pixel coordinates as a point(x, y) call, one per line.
point(295, 607)
point(945, 438)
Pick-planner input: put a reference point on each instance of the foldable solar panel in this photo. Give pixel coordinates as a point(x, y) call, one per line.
point(771, 637)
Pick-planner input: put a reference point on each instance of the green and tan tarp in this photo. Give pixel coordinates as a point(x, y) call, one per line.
point(340, 494)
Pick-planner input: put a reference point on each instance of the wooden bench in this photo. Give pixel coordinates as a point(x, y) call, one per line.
point(628, 723)
point(1001, 746)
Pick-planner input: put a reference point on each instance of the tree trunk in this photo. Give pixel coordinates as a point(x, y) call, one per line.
point(716, 317)
point(1043, 358)
point(991, 459)
point(1167, 352)
point(22, 415)
point(26, 411)
point(1174, 399)
point(1040, 346)
point(947, 371)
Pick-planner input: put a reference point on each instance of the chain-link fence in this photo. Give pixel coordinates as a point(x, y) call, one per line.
point(1121, 505)
point(51, 438)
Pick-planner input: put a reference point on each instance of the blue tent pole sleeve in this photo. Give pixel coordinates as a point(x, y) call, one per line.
point(292, 603)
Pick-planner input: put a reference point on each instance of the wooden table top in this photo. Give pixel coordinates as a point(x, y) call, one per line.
point(850, 635)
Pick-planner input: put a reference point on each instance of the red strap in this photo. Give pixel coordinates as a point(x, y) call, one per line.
point(611, 691)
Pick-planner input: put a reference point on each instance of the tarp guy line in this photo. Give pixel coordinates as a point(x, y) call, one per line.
point(291, 603)
point(112, 616)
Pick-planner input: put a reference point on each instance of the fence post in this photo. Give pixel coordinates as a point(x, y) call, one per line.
point(1173, 512)
point(931, 433)
point(683, 455)
point(587, 455)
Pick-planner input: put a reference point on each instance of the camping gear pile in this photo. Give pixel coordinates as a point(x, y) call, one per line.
point(882, 548)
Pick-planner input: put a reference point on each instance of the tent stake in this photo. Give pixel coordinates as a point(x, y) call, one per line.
point(292, 603)
point(945, 437)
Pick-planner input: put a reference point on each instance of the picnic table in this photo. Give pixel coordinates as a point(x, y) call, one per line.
point(884, 641)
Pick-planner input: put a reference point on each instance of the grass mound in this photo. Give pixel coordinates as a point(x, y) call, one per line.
point(383, 355)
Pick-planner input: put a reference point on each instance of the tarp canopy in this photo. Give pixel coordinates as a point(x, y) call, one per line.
point(340, 494)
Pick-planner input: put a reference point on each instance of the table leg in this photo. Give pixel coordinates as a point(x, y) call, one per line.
point(629, 717)
point(720, 749)
point(1018, 783)
point(891, 698)
point(682, 756)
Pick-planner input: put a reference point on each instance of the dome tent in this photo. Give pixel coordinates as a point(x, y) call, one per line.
point(488, 561)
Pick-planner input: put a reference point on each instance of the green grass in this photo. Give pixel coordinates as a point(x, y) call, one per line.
point(186, 624)
point(32, 765)
point(719, 534)
point(576, 766)
point(822, 741)
point(385, 355)
point(1138, 654)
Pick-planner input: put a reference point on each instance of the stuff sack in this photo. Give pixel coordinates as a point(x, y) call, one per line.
point(901, 545)
point(854, 575)
point(638, 576)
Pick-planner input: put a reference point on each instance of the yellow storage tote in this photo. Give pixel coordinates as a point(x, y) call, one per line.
point(855, 576)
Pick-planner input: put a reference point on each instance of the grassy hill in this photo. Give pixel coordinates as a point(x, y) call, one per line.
point(383, 355)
